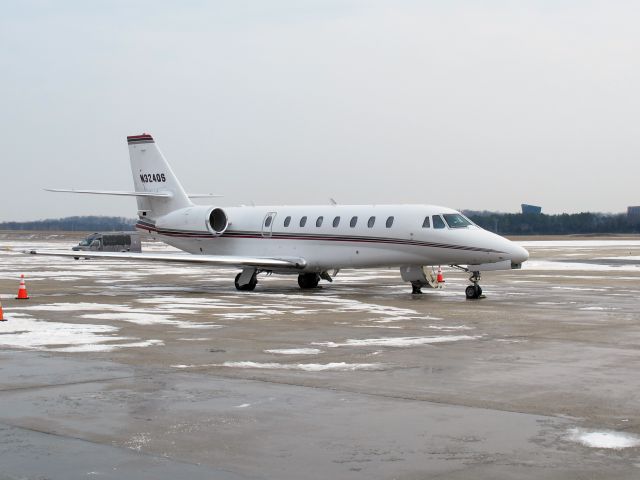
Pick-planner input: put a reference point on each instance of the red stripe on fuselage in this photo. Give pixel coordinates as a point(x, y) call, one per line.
point(320, 238)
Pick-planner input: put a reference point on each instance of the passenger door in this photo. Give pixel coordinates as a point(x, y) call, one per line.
point(267, 224)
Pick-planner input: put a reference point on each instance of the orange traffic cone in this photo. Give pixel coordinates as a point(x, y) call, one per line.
point(440, 277)
point(2, 319)
point(22, 291)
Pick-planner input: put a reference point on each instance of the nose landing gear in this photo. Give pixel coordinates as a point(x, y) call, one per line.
point(473, 292)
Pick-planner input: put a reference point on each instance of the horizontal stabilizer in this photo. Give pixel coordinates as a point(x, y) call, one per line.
point(133, 194)
point(222, 260)
point(115, 192)
point(203, 195)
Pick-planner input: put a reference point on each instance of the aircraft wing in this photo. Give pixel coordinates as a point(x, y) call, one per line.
point(222, 260)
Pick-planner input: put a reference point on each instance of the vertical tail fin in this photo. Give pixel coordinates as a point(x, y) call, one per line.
point(152, 173)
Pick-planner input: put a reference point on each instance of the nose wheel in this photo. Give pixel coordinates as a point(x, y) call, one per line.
point(473, 292)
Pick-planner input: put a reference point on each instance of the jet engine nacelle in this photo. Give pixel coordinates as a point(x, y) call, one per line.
point(199, 218)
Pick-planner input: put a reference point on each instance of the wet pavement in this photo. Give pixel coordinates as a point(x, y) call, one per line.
point(134, 370)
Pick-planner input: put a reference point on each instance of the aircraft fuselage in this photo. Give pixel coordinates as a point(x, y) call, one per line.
point(398, 235)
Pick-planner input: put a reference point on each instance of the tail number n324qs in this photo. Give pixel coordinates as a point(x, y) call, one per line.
point(155, 177)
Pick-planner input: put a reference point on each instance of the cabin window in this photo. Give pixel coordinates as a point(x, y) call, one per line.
point(438, 222)
point(287, 221)
point(353, 222)
point(426, 223)
point(111, 240)
point(267, 221)
point(303, 221)
point(455, 220)
point(371, 222)
point(319, 221)
point(336, 222)
point(389, 222)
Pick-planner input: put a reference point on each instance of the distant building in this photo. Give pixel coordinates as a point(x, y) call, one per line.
point(633, 213)
point(531, 209)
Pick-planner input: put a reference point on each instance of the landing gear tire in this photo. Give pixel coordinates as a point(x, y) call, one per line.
point(249, 287)
point(308, 280)
point(473, 292)
point(416, 288)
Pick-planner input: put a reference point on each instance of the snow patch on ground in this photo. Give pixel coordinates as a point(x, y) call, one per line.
point(279, 304)
point(598, 309)
point(634, 258)
point(396, 341)
point(579, 243)
point(581, 289)
point(189, 302)
point(73, 307)
point(295, 351)
point(307, 367)
point(239, 316)
point(160, 315)
point(549, 265)
point(393, 327)
point(106, 347)
point(449, 328)
point(32, 334)
point(147, 319)
point(604, 439)
point(138, 441)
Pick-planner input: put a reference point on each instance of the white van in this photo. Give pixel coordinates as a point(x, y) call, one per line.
point(110, 242)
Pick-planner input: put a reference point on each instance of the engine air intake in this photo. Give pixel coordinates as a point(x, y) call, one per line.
point(218, 221)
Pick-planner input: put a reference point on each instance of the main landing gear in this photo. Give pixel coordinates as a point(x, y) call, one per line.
point(308, 280)
point(473, 292)
point(247, 280)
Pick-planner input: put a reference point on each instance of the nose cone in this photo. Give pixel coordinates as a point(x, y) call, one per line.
point(508, 249)
point(518, 255)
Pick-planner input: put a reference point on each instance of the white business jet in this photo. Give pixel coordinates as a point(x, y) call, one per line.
point(311, 241)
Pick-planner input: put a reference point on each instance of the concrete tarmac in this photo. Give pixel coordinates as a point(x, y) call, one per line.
point(133, 370)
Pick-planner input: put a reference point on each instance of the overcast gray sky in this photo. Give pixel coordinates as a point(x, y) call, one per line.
point(468, 104)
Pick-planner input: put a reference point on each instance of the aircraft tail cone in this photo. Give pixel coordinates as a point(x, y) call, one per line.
point(22, 291)
point(440, 277)
point(2, 319)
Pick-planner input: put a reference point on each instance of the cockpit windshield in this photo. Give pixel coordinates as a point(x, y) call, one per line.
point(455, 220)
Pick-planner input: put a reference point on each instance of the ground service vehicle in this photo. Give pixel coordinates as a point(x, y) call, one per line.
point(110, 242)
